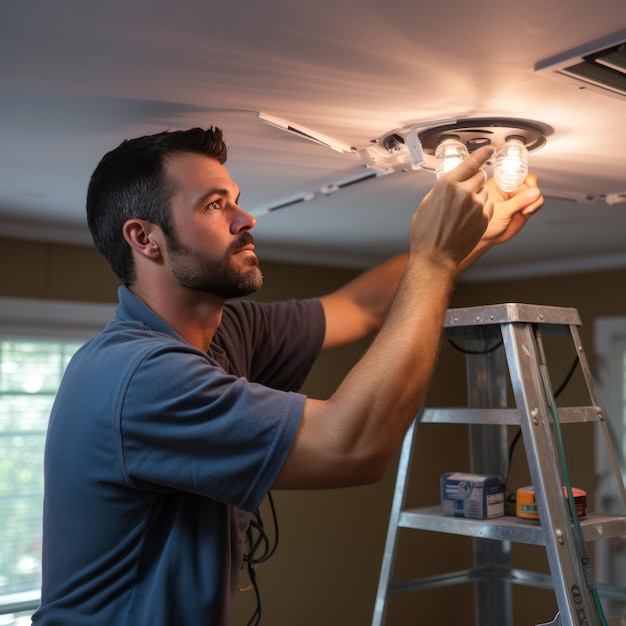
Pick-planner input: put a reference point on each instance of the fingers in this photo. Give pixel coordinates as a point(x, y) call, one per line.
point(472, 165)
point(533, 195)
point(526, 200)
point(470, 172)
point(488, 206)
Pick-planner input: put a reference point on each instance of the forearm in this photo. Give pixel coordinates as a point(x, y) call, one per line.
point(388, 384)
point(350, 438)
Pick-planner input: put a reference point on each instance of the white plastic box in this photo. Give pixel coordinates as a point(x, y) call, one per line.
point(475, 496)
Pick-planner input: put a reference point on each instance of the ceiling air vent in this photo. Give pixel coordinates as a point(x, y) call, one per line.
point(599, 66)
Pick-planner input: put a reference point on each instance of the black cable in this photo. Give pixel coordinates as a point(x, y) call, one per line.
point(557, 393)
point(456, 346)
point(567, 378)
point(258, 540)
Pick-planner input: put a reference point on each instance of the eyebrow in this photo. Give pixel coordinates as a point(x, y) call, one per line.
point(219, 192)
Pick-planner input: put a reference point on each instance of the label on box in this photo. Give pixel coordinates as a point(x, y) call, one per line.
point(475, 496)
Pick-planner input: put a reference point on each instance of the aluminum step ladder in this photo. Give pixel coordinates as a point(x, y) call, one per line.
point(520, 329)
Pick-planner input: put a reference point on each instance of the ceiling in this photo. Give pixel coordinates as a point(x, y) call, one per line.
point(76, 78)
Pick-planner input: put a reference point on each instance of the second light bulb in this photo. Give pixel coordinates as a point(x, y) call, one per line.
point(511, 164)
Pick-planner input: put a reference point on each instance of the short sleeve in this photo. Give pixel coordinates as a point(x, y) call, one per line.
point(185, 424)
point(274, 344)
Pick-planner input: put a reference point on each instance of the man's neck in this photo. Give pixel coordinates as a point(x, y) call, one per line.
point(193, 315)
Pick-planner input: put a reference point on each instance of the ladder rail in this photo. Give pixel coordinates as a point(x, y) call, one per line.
point(572, 594)
point(404, 468)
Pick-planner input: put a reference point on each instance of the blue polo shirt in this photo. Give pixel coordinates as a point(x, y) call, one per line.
point(156, 454)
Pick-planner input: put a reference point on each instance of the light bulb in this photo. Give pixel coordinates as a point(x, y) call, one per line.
point(450, 152)
point(511, 164)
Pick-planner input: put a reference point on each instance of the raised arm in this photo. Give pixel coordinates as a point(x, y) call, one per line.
point(360, 306)
point(350, 438)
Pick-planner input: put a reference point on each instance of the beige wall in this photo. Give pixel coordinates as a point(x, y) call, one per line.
point(326, 568)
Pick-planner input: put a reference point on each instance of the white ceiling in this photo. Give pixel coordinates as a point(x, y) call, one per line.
point(78, 77)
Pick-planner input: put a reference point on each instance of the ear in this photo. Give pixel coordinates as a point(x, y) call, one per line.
point(142, 237)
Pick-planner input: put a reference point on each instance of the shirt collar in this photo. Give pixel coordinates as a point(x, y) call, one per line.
point(132, 308)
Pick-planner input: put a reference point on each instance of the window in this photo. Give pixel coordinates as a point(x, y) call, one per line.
point(37, 340)
point(610, 346)
point(30, 373)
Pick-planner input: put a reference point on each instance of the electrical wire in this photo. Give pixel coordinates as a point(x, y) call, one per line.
point(584, 554)
point(456, 346)
point(557, 393)
point(260, 549)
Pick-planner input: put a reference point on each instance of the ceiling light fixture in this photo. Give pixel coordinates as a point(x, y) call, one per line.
point(417, 145)
point(514, 139)
point(441, 145)
point(478, 132)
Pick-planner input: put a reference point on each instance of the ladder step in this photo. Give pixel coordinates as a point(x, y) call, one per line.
point(508, 312)
point(432, 582)
point(507, 528)
point(510, 417)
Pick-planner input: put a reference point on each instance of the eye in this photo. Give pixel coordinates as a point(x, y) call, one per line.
point(214, 205)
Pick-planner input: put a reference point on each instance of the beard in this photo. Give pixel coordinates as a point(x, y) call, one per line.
point(221, 277)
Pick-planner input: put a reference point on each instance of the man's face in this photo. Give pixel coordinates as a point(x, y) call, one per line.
point(211, 249)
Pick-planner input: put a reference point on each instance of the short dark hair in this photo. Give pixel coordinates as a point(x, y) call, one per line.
point(130, 182)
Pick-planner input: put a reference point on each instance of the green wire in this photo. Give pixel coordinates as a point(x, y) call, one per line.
point(586, 561)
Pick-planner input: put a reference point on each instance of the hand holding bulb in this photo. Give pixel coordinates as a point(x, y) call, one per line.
point(511, 160)
point(511, 211)
point(514, 192)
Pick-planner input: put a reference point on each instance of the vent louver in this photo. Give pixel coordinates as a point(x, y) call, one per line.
point(599, 66)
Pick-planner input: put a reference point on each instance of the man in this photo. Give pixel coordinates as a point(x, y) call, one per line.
point(172, 424)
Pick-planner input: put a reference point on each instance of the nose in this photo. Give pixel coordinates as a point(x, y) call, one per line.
point(242, 221)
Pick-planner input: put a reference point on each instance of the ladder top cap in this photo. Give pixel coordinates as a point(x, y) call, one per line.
point(511, 312)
